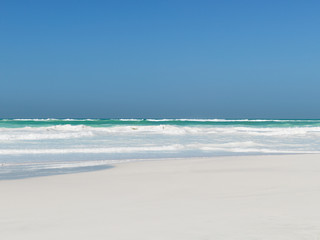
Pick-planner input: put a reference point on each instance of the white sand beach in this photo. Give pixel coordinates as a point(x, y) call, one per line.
point(243, 197)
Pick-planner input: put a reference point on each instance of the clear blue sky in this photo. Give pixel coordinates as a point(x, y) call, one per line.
point(217, 59)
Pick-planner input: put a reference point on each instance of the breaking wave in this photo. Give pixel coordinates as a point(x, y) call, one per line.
point(28, 144)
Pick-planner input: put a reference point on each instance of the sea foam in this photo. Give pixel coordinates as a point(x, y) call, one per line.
point(27, 144)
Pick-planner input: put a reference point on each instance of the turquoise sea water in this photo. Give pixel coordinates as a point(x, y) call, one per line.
point(17, 123)
point(35, 147)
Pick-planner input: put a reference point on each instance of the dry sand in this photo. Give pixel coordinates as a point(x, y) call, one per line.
point(255, 197)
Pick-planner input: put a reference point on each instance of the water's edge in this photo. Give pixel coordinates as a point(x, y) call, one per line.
point(40, 147)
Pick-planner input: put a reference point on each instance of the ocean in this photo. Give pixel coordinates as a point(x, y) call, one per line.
point(40, 147)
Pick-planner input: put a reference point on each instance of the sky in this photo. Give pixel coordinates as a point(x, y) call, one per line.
point(159, 59)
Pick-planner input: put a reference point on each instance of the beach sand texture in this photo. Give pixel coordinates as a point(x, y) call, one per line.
point(234, 198)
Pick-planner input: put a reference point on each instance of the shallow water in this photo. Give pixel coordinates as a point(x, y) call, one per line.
point(37, 147)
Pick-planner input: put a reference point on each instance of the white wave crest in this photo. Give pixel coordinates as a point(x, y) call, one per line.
point(92, 150)
point(68, 131)
point(227, 120)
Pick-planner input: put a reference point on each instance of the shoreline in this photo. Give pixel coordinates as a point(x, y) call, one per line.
point(229, 197)
point(114, 163)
